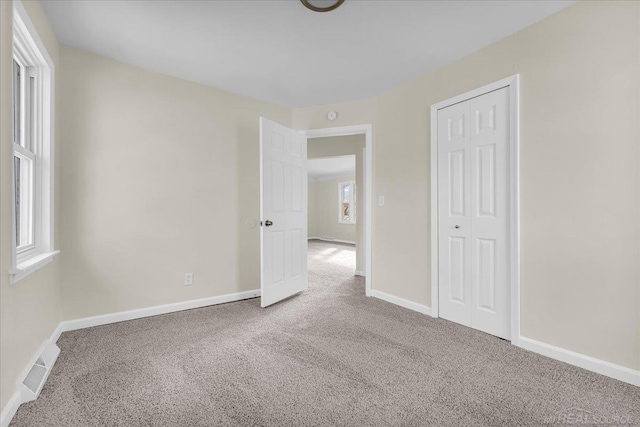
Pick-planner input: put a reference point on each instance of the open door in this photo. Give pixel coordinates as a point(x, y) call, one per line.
point(283, 210)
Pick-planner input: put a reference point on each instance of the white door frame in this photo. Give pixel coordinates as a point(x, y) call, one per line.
point(514, 222)
point(367, 131)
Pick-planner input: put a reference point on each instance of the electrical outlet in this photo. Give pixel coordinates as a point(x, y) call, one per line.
point(188, 279)
point(380, 200)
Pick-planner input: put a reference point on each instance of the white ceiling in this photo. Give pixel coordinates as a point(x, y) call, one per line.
point(280, 51)
point(332, 167)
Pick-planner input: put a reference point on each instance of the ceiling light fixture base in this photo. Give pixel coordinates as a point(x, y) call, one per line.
point(314, 5)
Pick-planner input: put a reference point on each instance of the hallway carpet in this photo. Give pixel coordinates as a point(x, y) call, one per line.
point(328, 357)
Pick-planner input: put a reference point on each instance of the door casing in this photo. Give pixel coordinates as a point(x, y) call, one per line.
point(514, 220)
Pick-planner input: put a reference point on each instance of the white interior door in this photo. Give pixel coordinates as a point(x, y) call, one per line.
point(473, 213)
point(454, 227)
point(283, 209)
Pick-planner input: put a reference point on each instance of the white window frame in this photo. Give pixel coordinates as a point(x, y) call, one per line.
point(352, 202)
point(24, 149)
point(30, 52)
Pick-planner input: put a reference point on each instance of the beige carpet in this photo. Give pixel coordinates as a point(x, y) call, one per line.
point(330, 356)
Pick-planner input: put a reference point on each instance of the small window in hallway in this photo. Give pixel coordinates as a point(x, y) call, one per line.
point(347, 205)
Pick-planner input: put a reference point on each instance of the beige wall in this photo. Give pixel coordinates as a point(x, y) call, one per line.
point(30, 309)
point(341, 146)
point(161, 176)
point(324, 208)
point(580, 185)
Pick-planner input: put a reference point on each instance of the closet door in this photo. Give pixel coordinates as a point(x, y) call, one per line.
point(489, 139)
point(454, 214)
point(473, 213)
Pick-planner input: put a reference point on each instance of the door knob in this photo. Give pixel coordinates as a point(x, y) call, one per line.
point(268, 223)
point(457, 226)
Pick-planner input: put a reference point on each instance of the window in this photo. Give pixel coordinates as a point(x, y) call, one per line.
point(347, 202)
point(24, 157)
point(32, 149)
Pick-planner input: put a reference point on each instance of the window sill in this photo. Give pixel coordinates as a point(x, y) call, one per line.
point(28, 266)
point(347, 222)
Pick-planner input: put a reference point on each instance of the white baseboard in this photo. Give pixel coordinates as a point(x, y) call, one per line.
point(589, 363)
point(17, 398)
point(359, 273)
point(402, 302)
point(56, 333)
point(22, 394)
point(602, 367)
point(329, 239)
point(105, 319)
point(10, 409)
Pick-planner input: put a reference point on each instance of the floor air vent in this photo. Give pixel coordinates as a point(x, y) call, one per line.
point(38, 373)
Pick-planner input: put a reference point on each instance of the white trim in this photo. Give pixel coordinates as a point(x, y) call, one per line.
point(580, 360)
point(367, 130)
point(330, 239)
point(514, 225)
point(105, 319)
point(589, 363)
point(359, 273)
point(24, 16)
point(27, 41)
point(22, 394)
point(602, 367)
point(513, 82)
point(55, 335)
point(26, 153)
point(402, 302)
point(31, 265)
point(49, 353)
point(10, 409)
point(19, 397)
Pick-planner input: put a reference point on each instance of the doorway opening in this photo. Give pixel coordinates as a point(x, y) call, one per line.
point(284, 204)
point(283, 207)
point(339, 208)
point(334, 230)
